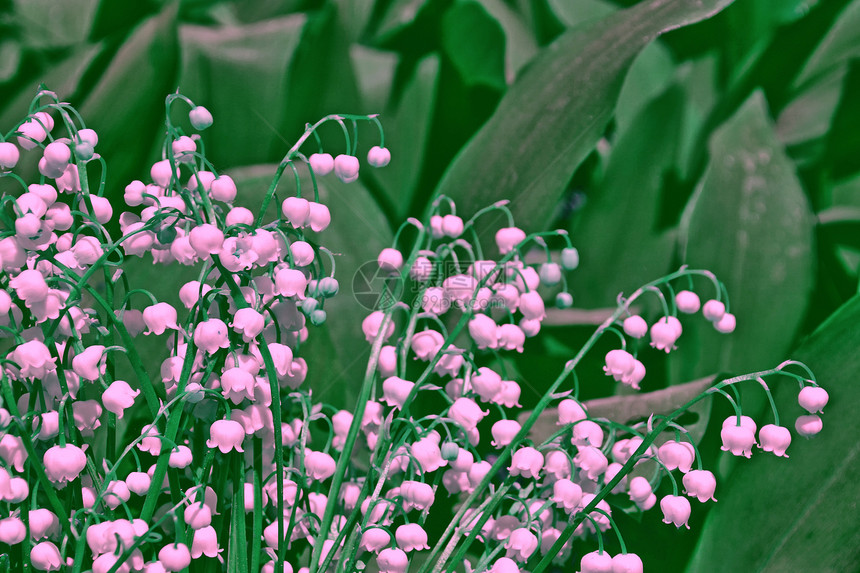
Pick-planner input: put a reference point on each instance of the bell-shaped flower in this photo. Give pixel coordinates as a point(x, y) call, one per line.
point(91, 363)
point(587, 433)
point(427, 452)
point(509, 237)
point(372, 325)
point(34, 358)
point(774, 439)
point(45, 556)
point(297, 211)
point(43, 523)
point(302, 253)
point(175, 557)
point(521, 544)
point(678, 455)
point(346, 168)
point(531, 305)
point(503, 432)
point(557, 464)
point(319, 466)
point(180, 457)
point(210, 335)
point(619, 364)
point(320, 217)
point(417, 495)
point(118, 397)
point(486, 383)
point(374, 539)
point(206, 240)
point(411, 537)
point(30, 286)
point(205, 542)
point(592, 461)
point(627, 563)
point(676, 510)
point(466, 412)
point(566, 495)
point(390, 260)
point(159, 317)
point(138, 482)
point(426, 344)
point(116, 493)
point(808, 426)
point(395, 391)
point(223, 188)
point(713, 310)
point(738, 439)
point(511, 337)
point(813, 399)
point(226, 435)
point(64, 463)
point(86, 415)
point(700, 484)
point(526, 462)
point(392, 560)
point(12, 530)
point(665, 332)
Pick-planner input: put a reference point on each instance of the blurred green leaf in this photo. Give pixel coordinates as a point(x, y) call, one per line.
point(795, 515)
point(113, 16)
point(220, 64)
point(551, 118)
point(355, 15)
point(807, 117)
point(650, 74)
point(520, 44)
point(337, 351)
point(699, 80)
point(841, 44)
point(751, 225)
point(628, 198)
point(10, 59)
point(407, 130)
point(475, 43)
point(126, 106)
point(843, 138)
point(575, 12)
point(374, 70)
point(321, 79)
point(51, 24)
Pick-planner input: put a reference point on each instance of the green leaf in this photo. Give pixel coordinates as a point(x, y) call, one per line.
point(572, 13)
point(49, 24)
point(841, 44)
point(628, 198)
point(520, 44)
point(751, 225)
point(126, 106)
point(337, 351)
point(551, 118)
point(407, 131)
point(475, 43)
point(374, 71)
point(808, 116)
point(221, 66)
point(649, 75)
point(796, 515)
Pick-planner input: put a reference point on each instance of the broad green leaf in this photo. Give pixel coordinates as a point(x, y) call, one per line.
point(321, 79)
point(337, 351)
point(843, 139)
point(221, 66)
point(841, 44)
point(628, 199)
point(10, 59)
point(374, 71)
point(698, 78)
point(520, 44)
point(796, 514)
point(475, 43)
point(407, 129)
point(649, 74)
point(355, 15)
point(808, 116)
point(751, 225)
point(49, 24)
point(551, 118)
point(126, 106)
point(574, 12)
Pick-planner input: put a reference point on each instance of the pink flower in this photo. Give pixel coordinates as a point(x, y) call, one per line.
point(395, 391)
point(504, 432)
point(30, 286)
point(587, 433)
point(12, 530)
point(175, 557)
point(290, 282)
point(319, 465)
point(91, 363)
point(392, 560)
point(467, 413)
point(372, 324)
point(64, 463)
point(808, 426)
point(34, 358)
point(813, 399)
point(302, 253)
point(205, 542)
point(206, 239)
point(248, 322)
point(321, 163)
point(390, 260)
point(531, 306)
point(223, 189)
point(210, 335)
point(526, 462)
point(374, 539)
point(486, 383)
point(86, 414)
point(118, 397)
point(427, 452)
point(297, 211)
point(592, 461)
point(676, 510)
point(452, 226)
point(226, 435)
point(678, 455)
point(566, 495)
point(411, 537)
point(509, 237)
point(714, 310)
point(521, 544)
point(596, 562)
point(159, 317)
point(426, 344)
point(346, 168)
point(700, 484)
point(46, 557)
point(665, 332)
point(627, 563)
point(138, 482)
point(43, 523)
point(511, 337)
point(320, 217)
point(739, 439)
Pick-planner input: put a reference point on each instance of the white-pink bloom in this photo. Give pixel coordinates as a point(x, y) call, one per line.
point(302, 253)
point(426, 344)
point(205, 542)
point(521, 544)
point(503, 432)
point(319, 465)
point(411, 537)
point(64, 463)
point(374, 539)
point(12, 530)
point(290, 282)
point(486, 383)
point(210, 335)
point(91, 363)
point(248, 322)
point(223, 189)
point(466, 412)
point(511, 337)
point(118, 397)
point(34, 359)
point(526, 462)
point(665, 332)
point(320, 217)
point(566, 495)
point(427, 452)
point(159, 317)
point(813, 399)
point(509, 237)
point(206, 240)
point(395, 391)
point(45, 556)
point(676, 510)
point(392, 560)
point(592, 461)
point(372, 324)
point(226, 435)
point(700, 484)
point(175, 556)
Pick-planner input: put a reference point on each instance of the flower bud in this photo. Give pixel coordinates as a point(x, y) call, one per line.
point(346, 168)
point(378, 156)
point(200, 117)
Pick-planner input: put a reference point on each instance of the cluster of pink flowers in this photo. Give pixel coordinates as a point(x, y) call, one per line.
point(225, 456)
